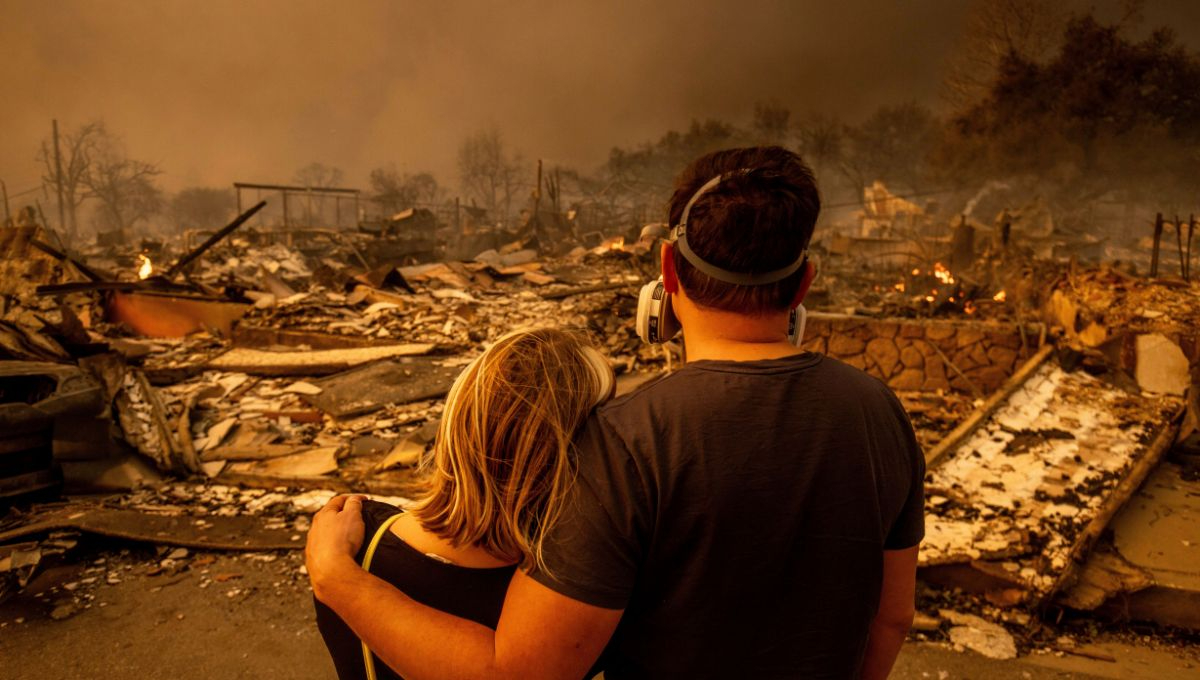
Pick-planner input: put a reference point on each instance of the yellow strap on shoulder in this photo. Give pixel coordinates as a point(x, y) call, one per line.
point(368, 658)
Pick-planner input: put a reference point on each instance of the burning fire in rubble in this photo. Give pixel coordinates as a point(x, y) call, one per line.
point(935, 291)
point(608, 245)
point(146, 268)
point(941, 273)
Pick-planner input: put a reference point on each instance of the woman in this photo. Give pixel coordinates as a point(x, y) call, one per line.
point(500, 469)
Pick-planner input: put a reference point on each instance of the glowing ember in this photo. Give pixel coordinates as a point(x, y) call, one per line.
point(941, 273)
point(969, 307)
point(929, 298)
point(609, 245)
point(146, 269)
point(1000, 297)
point(916, 272)
point(899, 286)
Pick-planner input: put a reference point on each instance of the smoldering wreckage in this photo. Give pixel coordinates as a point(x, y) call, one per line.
point(210, 393)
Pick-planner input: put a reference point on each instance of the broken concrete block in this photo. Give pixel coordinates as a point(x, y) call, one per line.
point(1161, 365)
point(1105, 574)
point(1093, 335)
point(987, 638)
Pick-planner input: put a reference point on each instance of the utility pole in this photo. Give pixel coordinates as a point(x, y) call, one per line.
point(537, 192)
point(7, 214)
point(58, 180)
point(1158, 232)
point(1179, 244)
point(536, 224)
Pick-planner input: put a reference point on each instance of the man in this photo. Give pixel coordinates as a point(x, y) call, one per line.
point(754, 514)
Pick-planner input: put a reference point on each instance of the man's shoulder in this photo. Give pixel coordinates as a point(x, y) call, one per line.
point(852, 378)
point(695, 382)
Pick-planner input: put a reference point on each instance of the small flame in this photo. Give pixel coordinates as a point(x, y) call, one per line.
point(969, 308)
point(929, 298)
point(941, 273)
point(1000, 297)
point(146, 269)
point(899, 286)
point(916, 272)
point(609, 245)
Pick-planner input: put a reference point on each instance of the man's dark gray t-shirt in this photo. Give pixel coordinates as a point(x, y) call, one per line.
point(738, 512)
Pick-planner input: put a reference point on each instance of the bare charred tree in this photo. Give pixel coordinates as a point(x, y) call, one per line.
point(396, 191)
point(318, 176)
point(1029, 29)
point(124, 187)
point(489, 173)
point(202, 207)
point(640, 179)
point(77, 150)
point(822, 142)
point(892, 145)
point(772, 123)
point(1107, 115)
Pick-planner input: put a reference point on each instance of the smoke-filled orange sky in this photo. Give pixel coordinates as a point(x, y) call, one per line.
point(221, 91)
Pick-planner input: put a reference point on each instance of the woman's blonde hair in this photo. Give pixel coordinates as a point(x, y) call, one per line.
point(501, 465)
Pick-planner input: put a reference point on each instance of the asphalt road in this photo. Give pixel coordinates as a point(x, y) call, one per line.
point(231, 615)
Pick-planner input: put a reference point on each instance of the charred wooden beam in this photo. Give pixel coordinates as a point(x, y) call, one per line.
point(1187, 267)
point(212, 240)
point(959, 434)
point(568, 292)
point(154, 284)
point(1179, 246)
point(296, 189)
point(1158, 231)
point(60, 255)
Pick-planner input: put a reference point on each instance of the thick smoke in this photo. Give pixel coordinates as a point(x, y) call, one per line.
point(222, 91)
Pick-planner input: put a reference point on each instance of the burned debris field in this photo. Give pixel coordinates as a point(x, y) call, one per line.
point(193, 363)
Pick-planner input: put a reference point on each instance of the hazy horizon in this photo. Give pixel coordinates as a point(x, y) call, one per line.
point(221, 92)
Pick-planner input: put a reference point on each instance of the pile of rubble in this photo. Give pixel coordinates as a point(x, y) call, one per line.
point(270, 377)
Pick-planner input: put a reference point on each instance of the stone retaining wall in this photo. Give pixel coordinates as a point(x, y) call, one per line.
point(911, 354)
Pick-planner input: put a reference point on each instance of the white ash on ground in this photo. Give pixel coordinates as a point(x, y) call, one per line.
point(1027, 482)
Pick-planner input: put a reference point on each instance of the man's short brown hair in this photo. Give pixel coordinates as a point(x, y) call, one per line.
point(751, 222)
